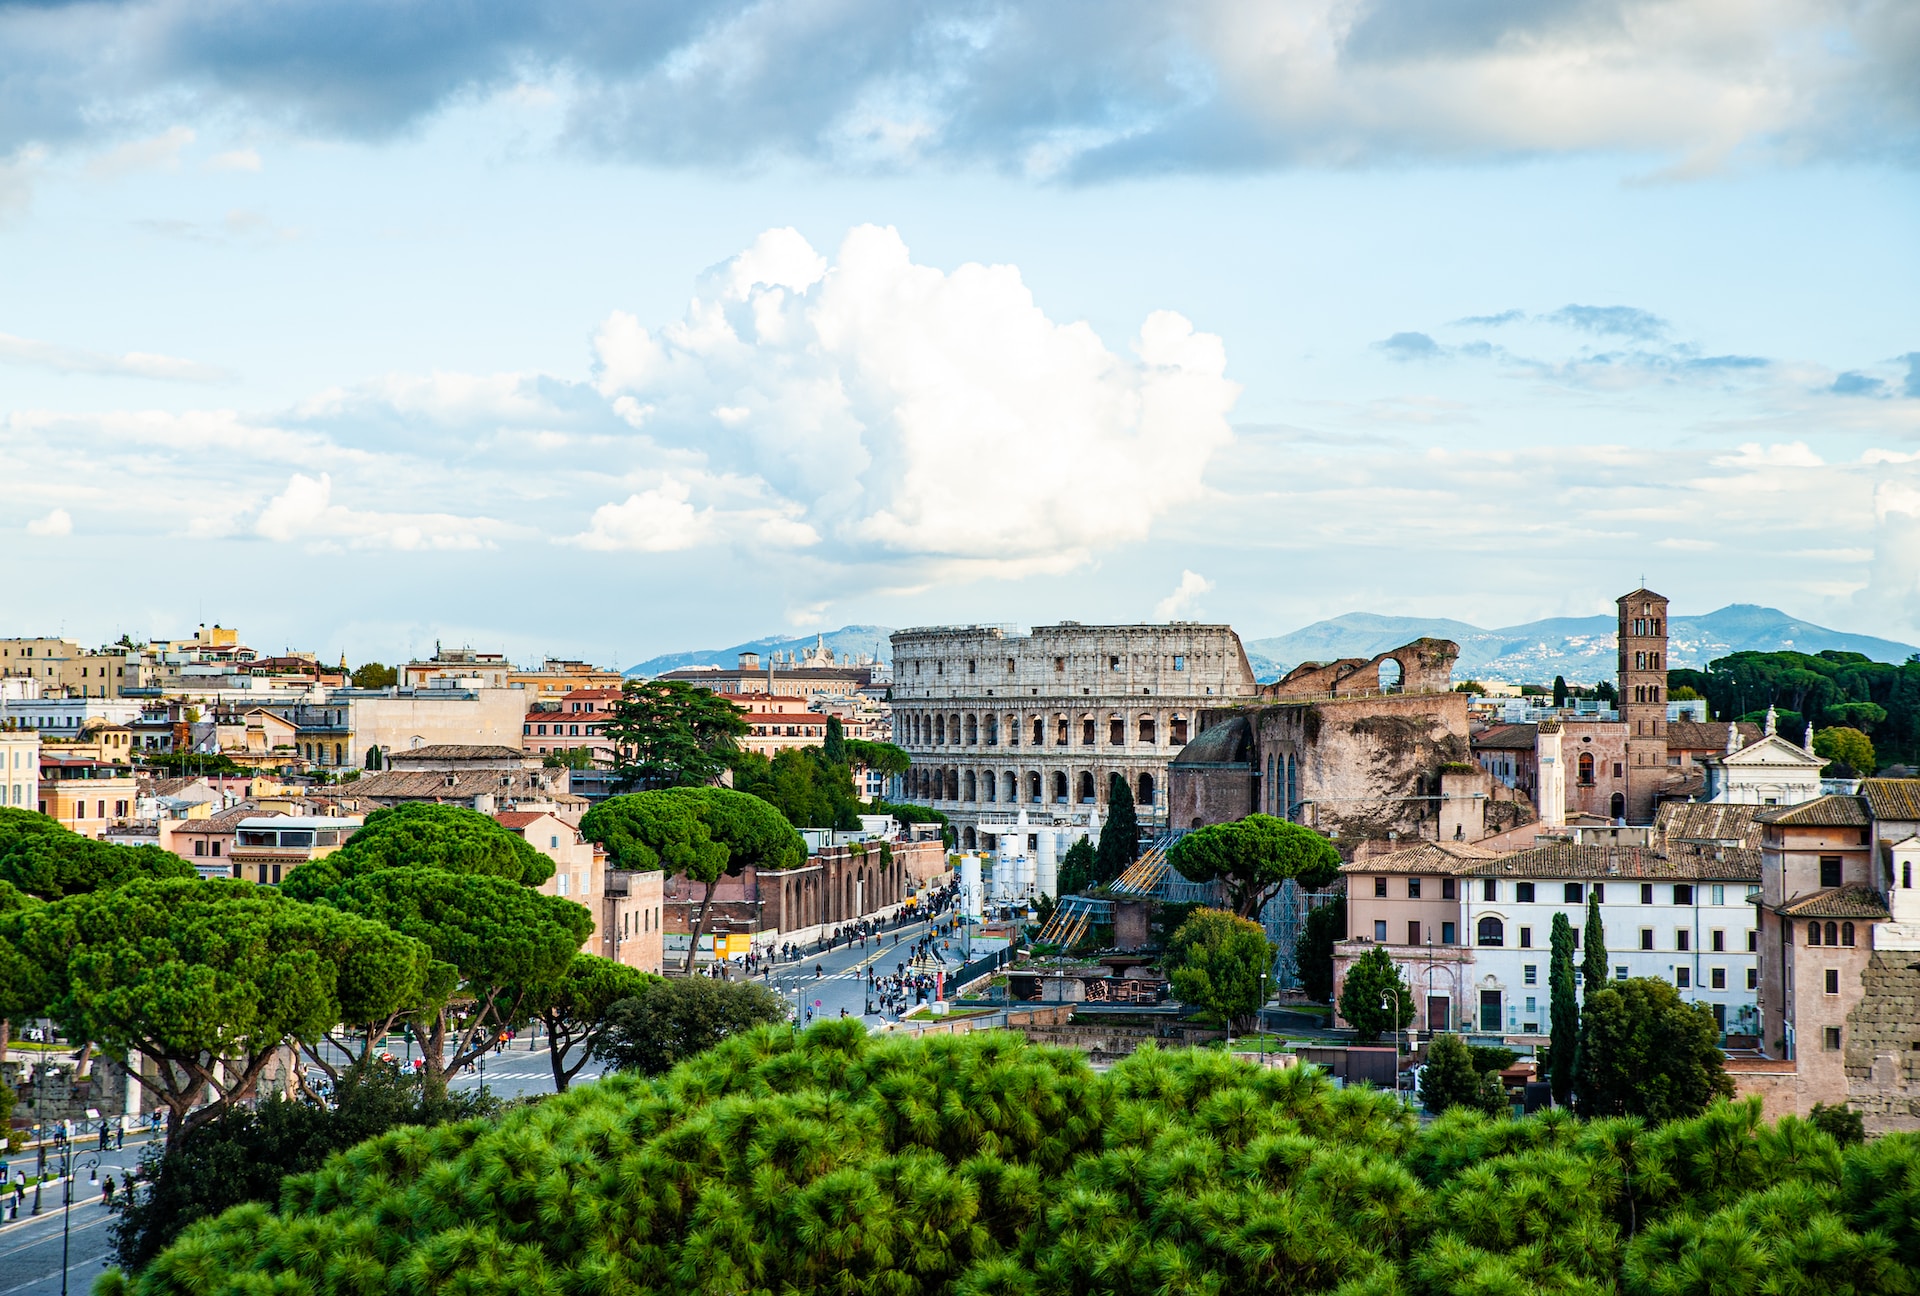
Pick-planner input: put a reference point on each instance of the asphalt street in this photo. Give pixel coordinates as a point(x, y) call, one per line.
point(30, 1249)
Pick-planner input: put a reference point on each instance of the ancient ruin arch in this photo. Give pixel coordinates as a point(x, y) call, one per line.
point(1617, 806)
point(1086, 787)
point(1391, 675)
point(973, 731)
point(1060, 787)
point(939, 730)
point(1144, 796)
point(1033, 786)
point(967, 787)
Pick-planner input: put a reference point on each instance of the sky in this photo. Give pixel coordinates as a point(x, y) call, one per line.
point(603, 330)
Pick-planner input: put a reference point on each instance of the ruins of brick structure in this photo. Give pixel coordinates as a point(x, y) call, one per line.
point(1371, 752)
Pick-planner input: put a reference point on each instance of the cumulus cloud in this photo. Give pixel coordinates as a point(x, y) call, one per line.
point(305, 512)
point(655, 521)
point(1192, 585)
point(1853, 383)
point(56, 523)
point(897, 411)
point(76, 360)
point(1618, 321)
point(1409, 346)
point(1079, 87)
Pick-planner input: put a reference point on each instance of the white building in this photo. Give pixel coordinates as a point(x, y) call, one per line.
point(67, 717)
point(20, 768)
point(1770, 771)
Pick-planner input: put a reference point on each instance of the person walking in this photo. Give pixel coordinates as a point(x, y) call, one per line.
point(106, 1191)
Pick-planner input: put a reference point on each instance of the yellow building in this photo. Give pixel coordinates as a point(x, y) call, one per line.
point(63, 668)
point(268, 847)
point(83, 795)
point(555, 679)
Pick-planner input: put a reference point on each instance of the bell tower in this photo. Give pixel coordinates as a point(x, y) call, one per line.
point(1643, 698)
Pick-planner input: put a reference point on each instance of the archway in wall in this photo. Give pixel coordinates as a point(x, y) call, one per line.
point(1059, 787)
point(1392, 676)
point(967, 788)
point(1617, 807)
point(1086, 787)
point(1033, 786)
point(967, 838)
point(1144, 796)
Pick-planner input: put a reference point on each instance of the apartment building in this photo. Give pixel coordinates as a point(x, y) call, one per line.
point(20, 768)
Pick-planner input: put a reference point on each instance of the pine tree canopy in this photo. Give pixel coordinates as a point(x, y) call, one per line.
point(978, 1165)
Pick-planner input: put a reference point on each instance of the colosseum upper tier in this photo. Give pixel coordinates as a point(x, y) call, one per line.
point(998, 722)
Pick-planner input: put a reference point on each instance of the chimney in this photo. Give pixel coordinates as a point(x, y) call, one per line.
point(483, 802)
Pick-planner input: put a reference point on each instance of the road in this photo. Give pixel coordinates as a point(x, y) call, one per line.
point(30, 1249)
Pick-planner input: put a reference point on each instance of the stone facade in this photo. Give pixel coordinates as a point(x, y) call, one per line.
point(835, 887)
point(998, 722)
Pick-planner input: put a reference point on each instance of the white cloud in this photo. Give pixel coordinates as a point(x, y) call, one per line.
point(156, 153)
point(905, 413)
point(133, 364)
point(1192, 585)
point(654, 521)
point(240, 159)
point(56, 523)
point(305, 511)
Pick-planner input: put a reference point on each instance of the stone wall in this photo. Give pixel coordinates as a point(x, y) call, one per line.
point(1882, 1063)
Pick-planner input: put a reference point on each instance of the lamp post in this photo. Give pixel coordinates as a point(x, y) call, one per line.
point(70, 1166)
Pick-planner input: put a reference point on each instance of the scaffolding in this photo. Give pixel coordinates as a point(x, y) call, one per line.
point(1285, 917)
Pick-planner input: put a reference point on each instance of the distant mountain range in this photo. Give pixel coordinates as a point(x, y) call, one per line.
point(1580, 648)
point(848, 641)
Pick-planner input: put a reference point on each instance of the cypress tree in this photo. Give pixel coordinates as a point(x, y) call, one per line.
point(1559, 690)
point(1564, 1004)
point(1593, 966)
point(1120, 835)
point(836, 746)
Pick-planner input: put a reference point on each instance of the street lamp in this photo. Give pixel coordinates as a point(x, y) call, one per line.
point(70, 1170)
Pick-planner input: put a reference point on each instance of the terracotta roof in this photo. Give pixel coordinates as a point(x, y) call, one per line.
point(1892, 798)
point(457, 752)
point(226, 821)
point(585, 694)
point(1512, 737)
point(432, 785)
point(1838, 902)
point(1695, 821)
point(1427, 857)
point(1821, 812)
point(1708, 735)
point(519, 820)
point(1567, 860)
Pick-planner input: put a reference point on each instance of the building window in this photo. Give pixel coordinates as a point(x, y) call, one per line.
point(1619, 971)
point(1753, 978)
point(1682, 938)
point(1523, 892)
point(1489, 890)
point(216, 845)
point(1447, 934)
point(1829, 870)
point(1600, 892)
point(1646, 893)
point(1846, 933)
point(1531, 974)
point(1179, 662)
point(1574, 893)
point(1719, 942)
point(1683, 978)
point(1682, 894)
point(1447, 889)
point(1831, 1037)
point(1719, 894)
point(1833, 981)
point(1413, 888)
point(1413, 933)
point(1753, 940)
point(1380, 930)
point(1526, 938)
point(1380, 888)
point(200, 847)
point(1718, 978)
point(1491, 932)
point(1646, 938)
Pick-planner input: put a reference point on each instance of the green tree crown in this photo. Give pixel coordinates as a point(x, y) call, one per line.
point(1219, 963)
point(1254, 857)
point(667, 733)
point(1374, 999)
point(451, 839)
point(1646, 1052)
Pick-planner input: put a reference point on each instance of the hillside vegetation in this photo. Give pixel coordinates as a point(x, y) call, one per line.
point(831, 1162)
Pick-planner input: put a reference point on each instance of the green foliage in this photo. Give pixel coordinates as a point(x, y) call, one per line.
point(494, 943)
point(1563, 1005)
point(1076, 868)
point(670, 734)
point(1325, 926)
point(1685, 693)
point(571, 758)
point(907, 813)
point(669, 1021)
point(885, 757)
point(697, 832)
point(1559, 690)
point(44, 860)
point(1470, 686)
point(1646, 1052)
point(1454, 1077)
point(835, 749)
point(1839, 1122)
point(1254, 857)
point(1218, 962)
point(978, 1165)
point(191, 762)
point(801, 784)
point(1832, 689)
point(185, 972)
point(1374, 999)
point(245, 1154)
point(451, 839)
point(1593, 961)
point(1491, 1057)
point(1848, 752)
point(576, 1009)
point(1119, 835)
point(373, 675)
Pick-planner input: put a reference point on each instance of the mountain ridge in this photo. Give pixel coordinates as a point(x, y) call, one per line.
point(1531, 652)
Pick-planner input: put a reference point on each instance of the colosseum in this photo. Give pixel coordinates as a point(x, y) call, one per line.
point(999, 722)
